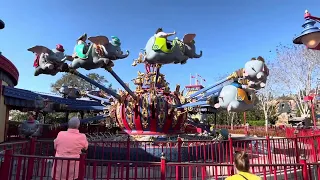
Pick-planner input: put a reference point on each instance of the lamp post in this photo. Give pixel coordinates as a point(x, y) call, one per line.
point(310, 35)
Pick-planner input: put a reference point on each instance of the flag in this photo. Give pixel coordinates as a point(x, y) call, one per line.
point(204, 80)
point(193, 77)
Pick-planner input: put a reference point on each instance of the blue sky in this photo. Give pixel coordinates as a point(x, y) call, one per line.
point(228, 32)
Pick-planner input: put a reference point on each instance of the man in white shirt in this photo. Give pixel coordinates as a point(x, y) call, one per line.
point(160, 33)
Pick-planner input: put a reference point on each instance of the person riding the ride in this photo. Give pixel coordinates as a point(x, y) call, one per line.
point(81, 44)
point(160, 33)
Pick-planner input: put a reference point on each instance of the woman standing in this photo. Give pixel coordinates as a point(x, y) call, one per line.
point(242, 164)
point(69, 144)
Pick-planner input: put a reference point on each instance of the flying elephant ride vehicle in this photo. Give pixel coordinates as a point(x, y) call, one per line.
point(236, 96)
point(48, 61)
point(159, 50)
point(99, 54)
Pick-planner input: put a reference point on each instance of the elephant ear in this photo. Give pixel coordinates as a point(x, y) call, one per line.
point(99, 40)
point(39, 49)
point(188, 38)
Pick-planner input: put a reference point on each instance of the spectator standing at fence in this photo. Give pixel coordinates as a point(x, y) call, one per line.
point(69, 144)
point(29, 127)
point(243, 166)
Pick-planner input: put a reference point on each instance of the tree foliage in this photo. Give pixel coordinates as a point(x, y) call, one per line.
point(75, 81)
point(267, 98)
point(296, 69)
point(15, 115)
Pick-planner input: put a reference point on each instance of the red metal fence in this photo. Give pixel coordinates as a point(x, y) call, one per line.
point(39, 167)
point(203, 159)
point(89, 129)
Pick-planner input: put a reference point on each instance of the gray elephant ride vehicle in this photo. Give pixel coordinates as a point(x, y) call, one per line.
point(49, 61)
point(99, 54)
point(159, 50)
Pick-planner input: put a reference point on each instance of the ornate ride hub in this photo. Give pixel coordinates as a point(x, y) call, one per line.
point(152, 112)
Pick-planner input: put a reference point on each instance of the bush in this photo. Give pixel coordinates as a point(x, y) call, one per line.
point(256, 123)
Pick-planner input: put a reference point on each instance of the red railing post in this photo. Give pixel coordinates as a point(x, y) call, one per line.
point(178, 168)
point(314, 150)
point(128, 157)
point(231, 153)
point(82, 166)
point(32, 151)
point(163, 167)
point(269, 151)
point(128, 148)
point(5, 168)
point(303, 161)
point(296, 146)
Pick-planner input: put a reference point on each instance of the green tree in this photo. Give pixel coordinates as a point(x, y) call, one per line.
point(75, 81)
point(15, 115)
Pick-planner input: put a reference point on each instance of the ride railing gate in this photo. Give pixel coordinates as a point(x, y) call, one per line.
point(176, 159)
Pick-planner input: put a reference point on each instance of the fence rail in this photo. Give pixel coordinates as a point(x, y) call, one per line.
point(94, 129)
point(41, 167)
point(295, 157)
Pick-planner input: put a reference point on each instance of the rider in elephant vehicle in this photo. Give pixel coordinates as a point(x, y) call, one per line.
point(81, 43)
point(160, 33)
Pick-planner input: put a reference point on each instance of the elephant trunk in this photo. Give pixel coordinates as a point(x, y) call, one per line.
point(197, 55)
point(122, 56)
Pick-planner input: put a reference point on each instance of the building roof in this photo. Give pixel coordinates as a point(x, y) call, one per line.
point(7, 66)
point(26, 99)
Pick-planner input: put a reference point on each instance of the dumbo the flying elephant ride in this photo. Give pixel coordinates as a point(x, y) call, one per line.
point(153, 110)
point(235, 96)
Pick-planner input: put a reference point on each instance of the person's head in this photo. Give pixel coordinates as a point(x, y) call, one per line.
point(31, 116)
point(241, 160)
point(74, 123)
point(159, 30)
point(83, 37)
